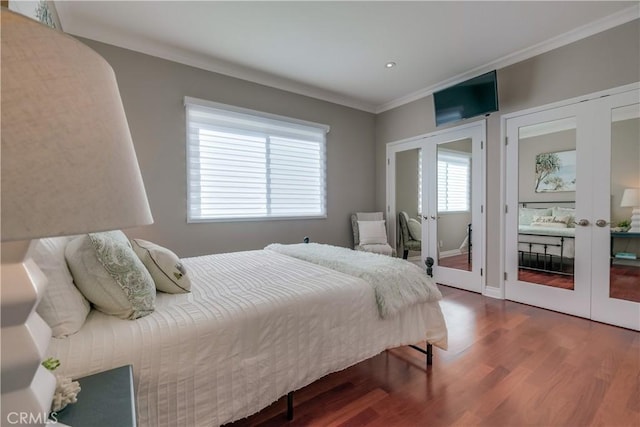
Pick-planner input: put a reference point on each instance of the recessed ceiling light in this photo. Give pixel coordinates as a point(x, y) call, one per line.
point(390, 64)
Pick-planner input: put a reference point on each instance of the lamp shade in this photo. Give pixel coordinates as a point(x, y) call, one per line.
point(630, 198)
point(68, 163)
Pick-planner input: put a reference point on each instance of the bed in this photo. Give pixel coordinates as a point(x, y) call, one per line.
point(256, 326)
point(546, 237)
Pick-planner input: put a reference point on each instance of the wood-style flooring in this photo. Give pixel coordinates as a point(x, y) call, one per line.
point(508, 364)
point(624, 279)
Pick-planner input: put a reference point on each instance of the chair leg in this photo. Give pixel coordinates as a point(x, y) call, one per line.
point(405, 254)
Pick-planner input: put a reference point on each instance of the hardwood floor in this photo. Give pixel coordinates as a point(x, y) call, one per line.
point(508, 364)
point(461, 262)
point(624, 279)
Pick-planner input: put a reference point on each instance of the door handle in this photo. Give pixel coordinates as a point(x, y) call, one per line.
point(434, 217)
point(602, 223)
point(426, 218)
point(583, 222)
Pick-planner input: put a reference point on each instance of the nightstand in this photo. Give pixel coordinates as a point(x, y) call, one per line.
point(105, 399)
point(624, 235)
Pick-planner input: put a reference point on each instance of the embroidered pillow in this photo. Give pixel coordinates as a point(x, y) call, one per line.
point(372, 232)
point(415, 229)
point(110, 275)
point(62, 306)
point(525, 215)
point(550, 221)
point(165, 267)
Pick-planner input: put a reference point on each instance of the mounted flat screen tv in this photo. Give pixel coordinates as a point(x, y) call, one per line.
point(470, 98)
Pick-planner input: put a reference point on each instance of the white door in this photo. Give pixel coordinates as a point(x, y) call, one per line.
point(548, 266)
point(453, 171)
point(616, 269)
point(568, 165)
point(453, 228)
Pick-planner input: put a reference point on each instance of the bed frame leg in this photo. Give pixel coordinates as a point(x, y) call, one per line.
point(290, 406)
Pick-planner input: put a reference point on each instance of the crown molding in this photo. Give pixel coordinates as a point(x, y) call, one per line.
point(204, 62)
point(176, 54)
point(622, 17)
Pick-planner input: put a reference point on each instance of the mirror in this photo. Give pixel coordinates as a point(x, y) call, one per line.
point(624, 271)
point(454, 201)
point(409, 203)
point(546, 203)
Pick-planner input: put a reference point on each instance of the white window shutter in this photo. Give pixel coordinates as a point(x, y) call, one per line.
point(245, 164)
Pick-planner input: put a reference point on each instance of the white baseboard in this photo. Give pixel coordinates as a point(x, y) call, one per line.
point(491, 292)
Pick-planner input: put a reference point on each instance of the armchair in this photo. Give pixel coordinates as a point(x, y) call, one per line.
point(407, 241)
point(381, 247)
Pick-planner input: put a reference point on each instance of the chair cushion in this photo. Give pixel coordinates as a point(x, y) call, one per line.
point(382, 249)
point(415, 229)
point(372, 232)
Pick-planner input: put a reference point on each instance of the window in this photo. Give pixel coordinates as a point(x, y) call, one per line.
point(244, 164)
point(454, 181)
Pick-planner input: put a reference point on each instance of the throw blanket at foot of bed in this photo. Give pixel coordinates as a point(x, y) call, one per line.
point(396, 282)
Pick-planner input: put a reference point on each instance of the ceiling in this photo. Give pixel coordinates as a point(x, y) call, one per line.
point(337, 51)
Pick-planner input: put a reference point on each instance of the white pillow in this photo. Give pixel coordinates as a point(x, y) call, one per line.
point(62, 306)
point(165, 267)
point(110, 275)
point(415, 229)
point(568, 212)
point(372, 232)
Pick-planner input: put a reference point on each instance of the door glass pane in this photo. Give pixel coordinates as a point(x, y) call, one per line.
point(454, 201)
point(408, 204)
point(546, 203)
point(625, 204)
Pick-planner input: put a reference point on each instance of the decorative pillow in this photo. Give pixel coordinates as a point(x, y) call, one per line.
point(525, 215)
point(110, 275)
point(415, 229)
point(165, 267)
point(372, 232)
point(550, 221)
point(62, 306)
point(569, 212)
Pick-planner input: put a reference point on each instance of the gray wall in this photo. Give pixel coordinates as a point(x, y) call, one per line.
point(153, 90)
point(599, 62)
point(407, 182)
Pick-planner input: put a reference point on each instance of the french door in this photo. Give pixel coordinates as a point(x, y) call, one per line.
point(453, 209)
point(438, 180)
point(567, 169)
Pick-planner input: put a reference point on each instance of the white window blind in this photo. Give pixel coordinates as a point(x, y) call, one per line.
point(454, 181)
point(244, 164)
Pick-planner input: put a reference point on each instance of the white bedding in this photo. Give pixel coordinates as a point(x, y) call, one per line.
point(540, 236)
point(255, 326)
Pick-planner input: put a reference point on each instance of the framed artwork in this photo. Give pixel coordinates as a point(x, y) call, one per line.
point(40, 10)
point(556, 172)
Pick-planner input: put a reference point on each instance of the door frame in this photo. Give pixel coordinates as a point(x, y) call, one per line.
point(421, 141)
point(503, 170)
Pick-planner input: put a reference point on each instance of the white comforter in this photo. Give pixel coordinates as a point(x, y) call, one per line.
point(255, 326)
